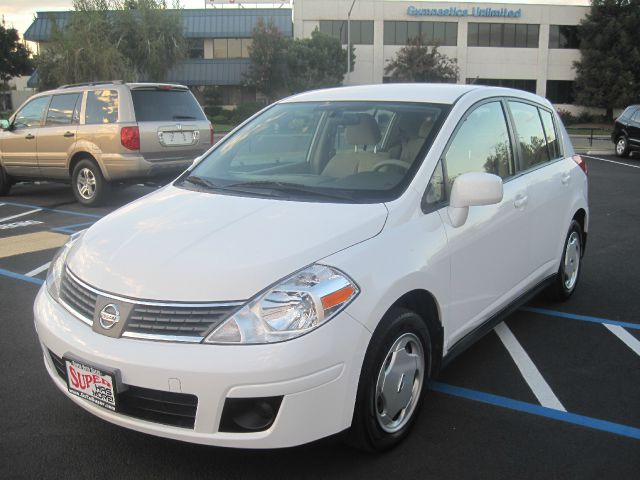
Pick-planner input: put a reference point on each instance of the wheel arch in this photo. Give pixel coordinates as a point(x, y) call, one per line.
point(581, 217)
point(423, 303)
point(82, 155)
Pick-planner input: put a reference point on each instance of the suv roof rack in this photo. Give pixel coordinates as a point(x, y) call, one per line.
point(89, 84)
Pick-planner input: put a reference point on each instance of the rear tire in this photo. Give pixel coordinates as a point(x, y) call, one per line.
point(5, 182)
point(566, 280)
point(89, 186)
point(622, 147)
point(393, 379)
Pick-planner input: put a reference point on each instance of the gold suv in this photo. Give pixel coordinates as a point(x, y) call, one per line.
point(96, 134)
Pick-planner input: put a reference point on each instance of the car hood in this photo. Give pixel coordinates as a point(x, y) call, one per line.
point(180, 245)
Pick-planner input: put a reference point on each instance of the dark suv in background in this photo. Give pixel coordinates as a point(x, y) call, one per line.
point(626, 132)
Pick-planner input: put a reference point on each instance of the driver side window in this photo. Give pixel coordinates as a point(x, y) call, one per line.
point(30, 115)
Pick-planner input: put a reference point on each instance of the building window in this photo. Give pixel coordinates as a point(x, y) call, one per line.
point(526, 85)
point(231, 47)
point(503, 35)
point(361, 31)
point(560, 91)
point(563, 36)
point(440, 33)
point(196, 47)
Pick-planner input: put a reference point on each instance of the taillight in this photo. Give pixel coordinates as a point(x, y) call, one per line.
point(130, 138)
point(581, 163)
point(211, 131)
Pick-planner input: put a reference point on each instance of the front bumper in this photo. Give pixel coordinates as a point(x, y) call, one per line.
point(316, 374)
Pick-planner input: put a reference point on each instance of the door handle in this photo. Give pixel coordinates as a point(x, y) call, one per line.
point(566, 178)
point(29, 136)
point(69, 134)
point(521, 201)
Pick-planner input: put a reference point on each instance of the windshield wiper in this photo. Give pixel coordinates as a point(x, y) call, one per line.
point(200, 181)
point(184, 117)
point(287, 187)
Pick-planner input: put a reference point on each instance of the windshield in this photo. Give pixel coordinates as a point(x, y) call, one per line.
point(359, 152)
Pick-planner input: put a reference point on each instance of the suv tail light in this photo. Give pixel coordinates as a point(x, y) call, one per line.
point(581, 163)
point(211, 131)
point(130, 138)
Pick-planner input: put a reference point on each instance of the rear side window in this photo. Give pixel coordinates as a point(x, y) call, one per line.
point(63, 109)
point(481, 144)
point(550, 134)
point(533, 146)
point(165, 105)
point(102, 107)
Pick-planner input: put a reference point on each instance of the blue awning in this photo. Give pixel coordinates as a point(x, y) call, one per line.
point(209, 72)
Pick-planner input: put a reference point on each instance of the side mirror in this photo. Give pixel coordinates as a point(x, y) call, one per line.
point(4, 124)
point(472, 189)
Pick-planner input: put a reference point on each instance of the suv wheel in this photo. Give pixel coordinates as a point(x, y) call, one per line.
point(5, 182)
point(566, 279)
point(89, 186)
point(392, 381)
point(622, 147)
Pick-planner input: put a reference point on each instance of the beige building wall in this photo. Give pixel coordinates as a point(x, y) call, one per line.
point(540, 64)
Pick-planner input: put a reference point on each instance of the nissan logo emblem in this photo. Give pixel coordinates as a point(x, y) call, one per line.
point(109, 316)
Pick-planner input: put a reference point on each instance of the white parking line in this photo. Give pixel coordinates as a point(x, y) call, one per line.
point(629, 340)
point(531, 374)
point(20, 215)
point(38, 270)
point(611, 161)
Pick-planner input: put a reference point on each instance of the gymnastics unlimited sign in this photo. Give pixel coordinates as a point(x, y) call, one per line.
point(464, 12)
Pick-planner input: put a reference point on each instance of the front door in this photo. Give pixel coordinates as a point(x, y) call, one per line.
point(490, 252)
point(19, 144)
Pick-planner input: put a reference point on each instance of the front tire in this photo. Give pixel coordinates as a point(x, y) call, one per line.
point(89, 186)
point(566, 280)
point(622, 147)
point(5, 182)
point(392, 382)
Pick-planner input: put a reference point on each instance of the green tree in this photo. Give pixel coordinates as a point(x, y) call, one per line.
point(417, 62)
point(15, 59)
point(267, 54)
point(608, 74)
point(316, 62)
point(110, 39)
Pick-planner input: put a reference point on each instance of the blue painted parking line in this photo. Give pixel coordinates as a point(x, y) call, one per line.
point(582, 318)
point(56, 210)
point(18, 276)
point(71, 228)
point(517, 405)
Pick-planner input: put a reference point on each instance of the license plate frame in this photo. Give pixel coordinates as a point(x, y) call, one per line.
point(92, 383)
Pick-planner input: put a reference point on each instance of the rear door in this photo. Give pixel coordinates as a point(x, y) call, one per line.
point(634, 129)
point(19, 145)
point(172, 125)
point(58, 135)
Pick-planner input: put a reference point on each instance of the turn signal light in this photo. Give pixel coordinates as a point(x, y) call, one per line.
point(130, 138)
point(581, 163)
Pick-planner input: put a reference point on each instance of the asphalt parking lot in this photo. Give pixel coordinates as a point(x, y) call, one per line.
point(489, 414)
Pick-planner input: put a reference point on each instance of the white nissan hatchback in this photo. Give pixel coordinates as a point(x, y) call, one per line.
point(315, 269)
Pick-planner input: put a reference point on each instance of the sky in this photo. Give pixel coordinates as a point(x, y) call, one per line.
point(19, 13)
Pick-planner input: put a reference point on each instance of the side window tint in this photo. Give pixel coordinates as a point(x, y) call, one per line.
point(62, 108)
point(102, 107)
point(435, 190)
point(481, 145)
point(31, 114)
point(530, 134)
point(636, 117)
point(550, 134)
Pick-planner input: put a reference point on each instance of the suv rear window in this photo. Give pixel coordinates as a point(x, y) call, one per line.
point(165, 105)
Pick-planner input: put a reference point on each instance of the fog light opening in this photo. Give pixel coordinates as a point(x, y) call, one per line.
point(245, 415)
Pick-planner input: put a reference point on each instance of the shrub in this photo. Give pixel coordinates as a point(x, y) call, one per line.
point(212, 111)
point(218, 119)
point(245, 110)
point(566, 116)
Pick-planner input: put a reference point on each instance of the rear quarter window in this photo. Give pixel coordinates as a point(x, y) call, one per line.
point(101, 107)
point(165, 105)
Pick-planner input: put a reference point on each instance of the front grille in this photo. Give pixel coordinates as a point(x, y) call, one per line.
point(78, 297)
point(151, 320)
point(176, 321)
point(158, 406)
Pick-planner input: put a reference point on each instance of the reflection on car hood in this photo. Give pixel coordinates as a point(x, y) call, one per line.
point(181, 245)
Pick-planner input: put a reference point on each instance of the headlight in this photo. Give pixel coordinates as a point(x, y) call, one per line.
point(295, 306)
point(54, 274)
